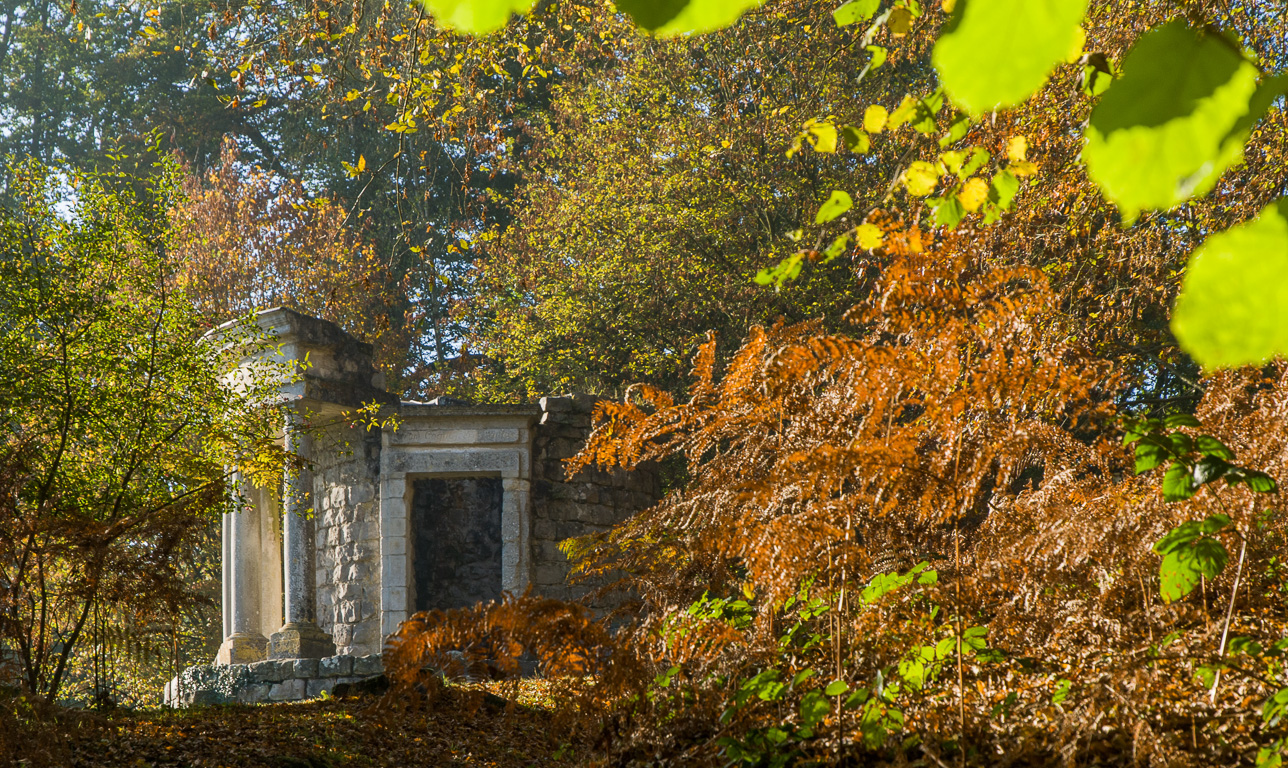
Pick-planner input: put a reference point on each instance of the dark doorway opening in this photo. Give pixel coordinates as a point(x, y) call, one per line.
point(456, 541)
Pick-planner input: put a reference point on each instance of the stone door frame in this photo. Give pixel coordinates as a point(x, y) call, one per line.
point(442, 441)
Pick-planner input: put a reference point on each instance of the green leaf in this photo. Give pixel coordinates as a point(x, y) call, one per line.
point(784, 271)
point(856, 140)
point(477, 17)
point(1061, 691)
point(836, 248)
point(692, 15)
point(1180, 420)
point(1166, 130)
point(814, 707)
point(1180, 536)
point(1215, 523)
point(924, 111)
point(836, 205)
point(836, 688)
point(978, 156)
point(1275, 707)
point(1209, 468)
point(1178, 483)
point(855, 11)
point(949, 212)
point(996, 53)
point(956, 130)
point(1257, 482)
point(1233, 306)
point(1149, 455)
point(1210, 446)
point(878, 55)
point(1182, 568)
point(1002, 191)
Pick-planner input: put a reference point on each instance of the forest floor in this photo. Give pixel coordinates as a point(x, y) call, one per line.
point(464, 726)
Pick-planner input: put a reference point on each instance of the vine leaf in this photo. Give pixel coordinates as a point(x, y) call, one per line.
point(996, 53)
point(1233, 306)
point(667, 18)
point(1176, 119)
point(477, 17)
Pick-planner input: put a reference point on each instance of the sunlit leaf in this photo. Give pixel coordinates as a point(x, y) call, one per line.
point(996, 53)
point(836, 205)
point(689, 16)
point(920, 178)
point(1233, 306)
point(855, 11)
point(973, 194)
point(1183, 567)
point(874, 118)
point(869, 236)
point(476, 16)
point(1165, 130)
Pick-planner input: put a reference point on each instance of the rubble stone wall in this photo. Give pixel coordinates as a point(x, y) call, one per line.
point(592, 501)
point(347, 527)
point(265, 681)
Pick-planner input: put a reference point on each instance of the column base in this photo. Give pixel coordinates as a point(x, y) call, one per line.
point(242, 649)
point(300, 640)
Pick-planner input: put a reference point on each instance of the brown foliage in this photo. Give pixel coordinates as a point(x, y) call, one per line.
point(249, 239)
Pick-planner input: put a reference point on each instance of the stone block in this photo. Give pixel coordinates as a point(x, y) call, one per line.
point(315, 688)
point(342, 634)
point(335, 666)
point(266, 672)
point(560, 404)
point(366, 636)
point(287, 690)
point(548, 574)
point(304, 640)
point(242, 649)
point(254, 694)
point(304, 668)
point(368, 665)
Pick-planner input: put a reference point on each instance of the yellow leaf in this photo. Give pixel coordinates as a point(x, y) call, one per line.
point(824, 135)
point(974, 193)
point(920, 178)
point(1017, 148)
point(869, 236)
point(1023, 168)
point(362, 162)
point(948, 5)
point(874, 118)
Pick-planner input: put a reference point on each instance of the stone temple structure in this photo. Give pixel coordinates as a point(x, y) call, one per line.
point(452, 504)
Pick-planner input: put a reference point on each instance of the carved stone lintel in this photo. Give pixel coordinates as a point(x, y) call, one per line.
point(300, 640)
point(240, 648)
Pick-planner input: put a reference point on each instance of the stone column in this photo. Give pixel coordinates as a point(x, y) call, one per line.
point(300, 637)
point(516, 510)
point(225, 562)
point(244, 644)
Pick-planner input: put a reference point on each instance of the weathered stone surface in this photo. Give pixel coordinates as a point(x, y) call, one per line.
point(300, 641)
point(267, 671)
point(304, 668)
point(335, 666)
point(287, 690)
point(254, 694)
point(371, 664)
point(315, 688)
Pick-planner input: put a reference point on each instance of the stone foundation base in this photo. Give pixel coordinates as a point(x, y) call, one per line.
point(300, 641)
point(242, 649)
point(268, 681)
